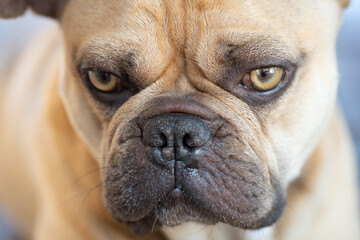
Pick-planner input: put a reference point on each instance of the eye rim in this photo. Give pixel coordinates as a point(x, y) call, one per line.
point(278, 75)
point(108, 100)
point(118, 85)
point(126, 80)
point(256, 98)
point(247, 82)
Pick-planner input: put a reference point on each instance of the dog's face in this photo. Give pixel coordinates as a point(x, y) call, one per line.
point(199, 110)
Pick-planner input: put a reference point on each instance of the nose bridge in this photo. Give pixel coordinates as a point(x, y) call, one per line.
point(176, 83)
point(180, 35)
point(182, 84)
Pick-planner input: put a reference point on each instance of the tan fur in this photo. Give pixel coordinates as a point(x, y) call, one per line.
point(56, 162)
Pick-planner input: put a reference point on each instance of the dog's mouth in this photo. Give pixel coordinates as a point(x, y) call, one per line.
point(179, 167)
point(176, 207)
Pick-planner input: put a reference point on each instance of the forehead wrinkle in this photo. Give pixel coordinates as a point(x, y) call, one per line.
point(103, 52)
point(174, 26)
point(256, 43)
point(156, 16)
point(259, 48)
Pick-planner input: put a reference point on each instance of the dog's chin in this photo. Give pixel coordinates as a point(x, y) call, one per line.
point(177, 207)
point(174, 209)
point(170, 212)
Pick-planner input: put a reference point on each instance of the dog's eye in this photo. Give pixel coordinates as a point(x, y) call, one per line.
point(104, 81)
point(263, 79)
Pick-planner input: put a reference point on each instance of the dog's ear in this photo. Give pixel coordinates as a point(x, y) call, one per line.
point(15, 8)
point(344, 3)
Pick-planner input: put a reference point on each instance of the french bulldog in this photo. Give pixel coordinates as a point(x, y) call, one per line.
point(145, 118)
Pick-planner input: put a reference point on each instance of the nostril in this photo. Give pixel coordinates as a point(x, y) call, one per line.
point(158, 140)
point(195, 141)
point(158, 133)
point(163, 141)
point(188, 141)
point(195, 133)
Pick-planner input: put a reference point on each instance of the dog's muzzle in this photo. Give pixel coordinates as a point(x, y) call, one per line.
point(182, 162)
point(175, 137)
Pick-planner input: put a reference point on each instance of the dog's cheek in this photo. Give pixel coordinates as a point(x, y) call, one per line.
point(80, 112)
point(295, 130)
point(133, 184)
point(232, 183)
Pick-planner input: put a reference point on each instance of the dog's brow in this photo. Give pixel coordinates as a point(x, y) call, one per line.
point(105, 57)
point(256, 52)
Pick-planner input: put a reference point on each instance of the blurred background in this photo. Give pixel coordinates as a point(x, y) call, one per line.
point(348, 52)
point(14, 33)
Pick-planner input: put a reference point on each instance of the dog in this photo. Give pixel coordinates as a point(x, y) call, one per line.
point(149, 117)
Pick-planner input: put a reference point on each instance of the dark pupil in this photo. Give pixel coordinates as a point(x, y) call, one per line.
point(105, 77)
point(265, 74)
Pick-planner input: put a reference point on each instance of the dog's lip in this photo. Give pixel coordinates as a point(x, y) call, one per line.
point(174, 195)
point(166, 105)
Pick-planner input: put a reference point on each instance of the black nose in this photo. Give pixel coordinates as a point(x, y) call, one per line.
point(175, 136)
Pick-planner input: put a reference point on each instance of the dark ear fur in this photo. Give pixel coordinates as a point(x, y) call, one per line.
point(344, 3)
point(15, 8)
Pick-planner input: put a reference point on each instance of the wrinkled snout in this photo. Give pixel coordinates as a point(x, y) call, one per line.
point(179, 162)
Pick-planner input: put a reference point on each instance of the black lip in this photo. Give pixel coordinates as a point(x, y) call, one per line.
point(175, 196)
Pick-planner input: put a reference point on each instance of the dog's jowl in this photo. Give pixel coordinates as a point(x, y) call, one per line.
point(146, 118)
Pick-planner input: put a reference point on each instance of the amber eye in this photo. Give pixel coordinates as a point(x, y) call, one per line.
point(104, 81)
point(265, 79)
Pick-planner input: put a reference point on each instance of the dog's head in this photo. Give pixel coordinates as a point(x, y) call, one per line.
point(197, 110)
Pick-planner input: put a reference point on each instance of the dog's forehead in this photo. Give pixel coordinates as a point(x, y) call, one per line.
point(159, 28)
point(194, 16)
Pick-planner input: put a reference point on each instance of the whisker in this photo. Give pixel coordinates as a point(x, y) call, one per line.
point(101, 215)
point(82, 193)
point(90, 191)
point(85, 175)
point(157, 217)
